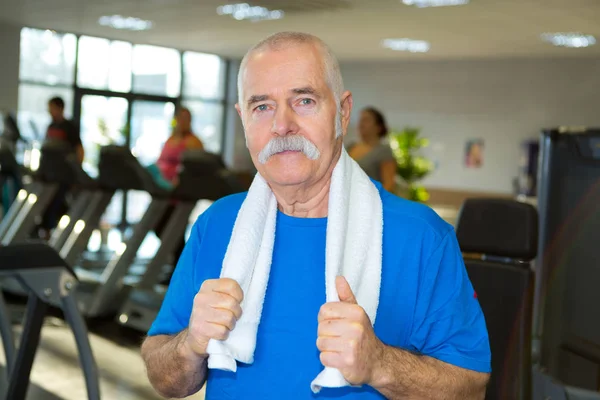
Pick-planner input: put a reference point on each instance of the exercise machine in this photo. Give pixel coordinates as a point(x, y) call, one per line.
point(499, 240)
point(102, 293)
point(203, 177)
point(566, 330)
point(49, 281)
point(30, 204)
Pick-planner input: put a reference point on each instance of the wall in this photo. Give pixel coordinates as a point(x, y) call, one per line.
point(9, 66)
point(500, 101)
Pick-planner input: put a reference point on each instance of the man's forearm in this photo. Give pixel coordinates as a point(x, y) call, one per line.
point(403, 375)
point(173, 369)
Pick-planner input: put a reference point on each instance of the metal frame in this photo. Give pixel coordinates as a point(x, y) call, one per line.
point(76, 242)
point(52, 286)
point(141, 307)
point(30, 210)
point(67, 222)
point(8, 338)
point(108, 296)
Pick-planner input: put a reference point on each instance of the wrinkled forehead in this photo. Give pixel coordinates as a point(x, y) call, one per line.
point(273, 72)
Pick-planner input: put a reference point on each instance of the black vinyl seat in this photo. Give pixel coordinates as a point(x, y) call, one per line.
point(49, 281)
point(498, 239)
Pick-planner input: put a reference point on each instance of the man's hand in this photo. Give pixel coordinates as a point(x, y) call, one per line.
point(346, 338)
point(214, 314)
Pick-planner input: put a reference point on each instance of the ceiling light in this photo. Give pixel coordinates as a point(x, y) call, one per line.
point(246, 11)
point(570, 39)
point(435, 3)
point(410, 45)
point(126, 23)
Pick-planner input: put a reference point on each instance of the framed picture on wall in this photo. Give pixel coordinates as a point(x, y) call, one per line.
point(474, 153)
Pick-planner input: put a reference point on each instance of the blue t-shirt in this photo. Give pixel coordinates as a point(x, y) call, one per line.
point(427, 304)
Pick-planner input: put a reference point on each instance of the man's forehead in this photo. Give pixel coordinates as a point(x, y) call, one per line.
point(298, 65)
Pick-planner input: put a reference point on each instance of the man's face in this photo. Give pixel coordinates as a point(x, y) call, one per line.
point(285, 93)
point(55, 111)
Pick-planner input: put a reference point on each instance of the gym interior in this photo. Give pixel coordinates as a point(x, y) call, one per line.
point(492, 113)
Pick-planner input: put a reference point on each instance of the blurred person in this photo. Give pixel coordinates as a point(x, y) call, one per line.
point(169, 162)
point(372, 153)
point(64, 130)
point(267, 330)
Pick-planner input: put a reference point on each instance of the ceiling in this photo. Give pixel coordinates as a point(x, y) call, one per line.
point(353, 28)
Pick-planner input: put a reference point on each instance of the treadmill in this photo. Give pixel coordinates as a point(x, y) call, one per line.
point(30, 204)
point(566, 329)
point(10, 170)
point(102, 292)
point(203, 177)
point(49, 281)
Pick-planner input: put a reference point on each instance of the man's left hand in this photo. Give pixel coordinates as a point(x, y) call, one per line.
point(346, 338)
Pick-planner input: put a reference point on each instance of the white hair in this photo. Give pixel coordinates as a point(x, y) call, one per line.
point(284, 40)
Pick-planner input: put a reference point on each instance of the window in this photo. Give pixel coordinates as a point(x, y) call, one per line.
point(156, 70)
point(47, 57)
point(104, 64)
point(103, 122)
point(207, 123)
point(33, 117)
point(204, 76)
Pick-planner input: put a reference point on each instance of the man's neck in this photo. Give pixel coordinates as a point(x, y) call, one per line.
point(306, 201)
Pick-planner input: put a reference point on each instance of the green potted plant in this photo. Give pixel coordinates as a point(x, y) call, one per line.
point(411, 166)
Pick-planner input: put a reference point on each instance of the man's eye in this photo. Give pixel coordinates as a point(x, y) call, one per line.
point(306, 102)
point(262, 107)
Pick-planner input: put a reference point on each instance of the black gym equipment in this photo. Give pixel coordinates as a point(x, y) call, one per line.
point(203, 177)
point(499, 240)
point(567, 329)
point(49, 281)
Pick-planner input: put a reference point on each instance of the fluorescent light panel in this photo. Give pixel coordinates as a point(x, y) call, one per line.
point(244, 11)
point(405, 44)
point(435, 3)
point(569, 39)
point(125, 23)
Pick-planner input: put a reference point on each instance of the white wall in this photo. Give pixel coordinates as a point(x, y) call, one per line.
point(501, 101)
point(9, 66)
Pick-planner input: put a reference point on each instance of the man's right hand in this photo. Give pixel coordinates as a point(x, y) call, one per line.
point(214, 314)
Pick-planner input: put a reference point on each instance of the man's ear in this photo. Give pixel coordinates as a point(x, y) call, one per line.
point(346, 104)
point(239, 110)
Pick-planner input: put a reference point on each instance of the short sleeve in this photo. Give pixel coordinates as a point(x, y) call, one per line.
point(385, 153)
point(449, 324)
point(175, 311)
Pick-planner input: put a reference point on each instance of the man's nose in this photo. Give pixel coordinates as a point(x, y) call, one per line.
point(284, 121)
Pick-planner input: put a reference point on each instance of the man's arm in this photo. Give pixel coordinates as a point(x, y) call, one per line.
point(174, 370)
point(403, 375)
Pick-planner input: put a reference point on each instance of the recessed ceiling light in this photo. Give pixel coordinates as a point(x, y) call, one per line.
point(125, 23)
point(404, 44)
point(244, 11)
point(435, 3)
point(569, 39)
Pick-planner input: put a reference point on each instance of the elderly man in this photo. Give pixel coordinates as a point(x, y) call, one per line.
point(331, 265)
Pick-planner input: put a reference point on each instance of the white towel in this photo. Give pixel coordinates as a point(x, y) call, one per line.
point(353, 250)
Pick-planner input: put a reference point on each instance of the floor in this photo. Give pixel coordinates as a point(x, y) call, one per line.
point(56, 373)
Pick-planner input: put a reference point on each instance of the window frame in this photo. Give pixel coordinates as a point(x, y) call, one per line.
point(132, 96)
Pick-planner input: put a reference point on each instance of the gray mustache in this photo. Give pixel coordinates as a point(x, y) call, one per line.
point(288, 143)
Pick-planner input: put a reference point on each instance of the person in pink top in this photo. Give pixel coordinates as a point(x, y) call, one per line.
point(182, 138)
